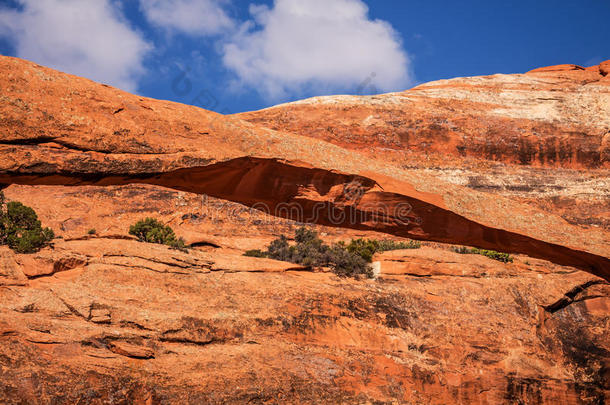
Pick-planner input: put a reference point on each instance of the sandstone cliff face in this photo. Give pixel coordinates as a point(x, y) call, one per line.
point(550, 117)
point(97, 135)
point(126, 323)
point(523, 136)
point(107, 319)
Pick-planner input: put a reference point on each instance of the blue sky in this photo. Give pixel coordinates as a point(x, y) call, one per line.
point(233, 56)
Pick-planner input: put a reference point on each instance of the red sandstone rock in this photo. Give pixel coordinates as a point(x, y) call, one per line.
point(124, 139)
point(557, 68)
point(604, 67)
point(130, 350)
point(427, 262)
point(526, 331)
point(528, 120)
point(107, 319)
point(537, 138)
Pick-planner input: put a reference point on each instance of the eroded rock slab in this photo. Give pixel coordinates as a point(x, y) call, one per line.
point(432, 334)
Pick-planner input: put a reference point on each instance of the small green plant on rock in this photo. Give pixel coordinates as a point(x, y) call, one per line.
point(255, 253)
point(152, 231)
point(366, 248)
point(91, 232)
point(492, 254)
point(387, 245)
point(20, 228)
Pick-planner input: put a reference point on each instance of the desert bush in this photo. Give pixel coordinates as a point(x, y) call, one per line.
point(280, 249)
point(152, 231)
point(366, 248)
point(30, 241)
point(347, 264)
point(91, 232)
point(344, 259)
point(309, 250)
point(387, 245)
point(492, 254)
point(20, 228)
point(255, 253)
point(463, 250)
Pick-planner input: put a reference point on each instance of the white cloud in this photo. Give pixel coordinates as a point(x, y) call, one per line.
point(193, 17)
point(88, 38)
point(320, 45)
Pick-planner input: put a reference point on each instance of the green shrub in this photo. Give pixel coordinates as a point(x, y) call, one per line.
point(344, 259)
point(91, 232)
point(463, 250)
point(387, 245)
point(20, 216)
point(366, 248)
point(152, 231)
point(492, 254)
point(279, 249)
point(255, 253)
point(20, 228)
point(30, 241)
point(348, 264)
point(309, 250)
